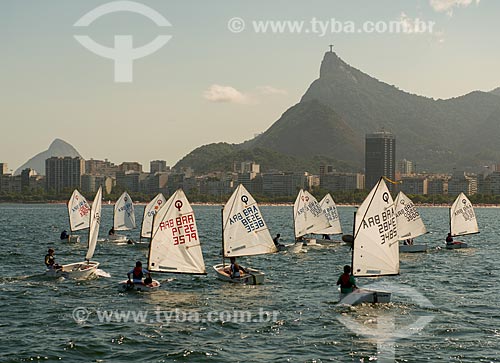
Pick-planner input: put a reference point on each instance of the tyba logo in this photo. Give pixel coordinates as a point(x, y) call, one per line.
point(123, 52)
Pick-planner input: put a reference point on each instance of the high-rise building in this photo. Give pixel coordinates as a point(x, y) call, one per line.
point(4, 168)
point(380, 157)
point(158, 166)
point(64, 173)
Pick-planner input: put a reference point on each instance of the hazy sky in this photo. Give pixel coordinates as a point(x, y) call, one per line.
point(209, 84)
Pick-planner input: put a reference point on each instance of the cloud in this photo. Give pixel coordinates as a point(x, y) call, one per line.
point(416, 25)
point(218, 93)
point(228, 94)
point(270, 90)
point(448, 5)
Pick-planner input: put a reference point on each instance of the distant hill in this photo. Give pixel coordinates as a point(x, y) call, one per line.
point(343, 104)
point(58, 148)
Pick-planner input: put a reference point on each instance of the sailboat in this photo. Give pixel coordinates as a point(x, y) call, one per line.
point(244, 233)
point(329, 208)
point(79, 215)
point(410, 224)
point(87, 268)
point(175, 244)
point(150, 211)
point(375, 249)
point(308, 217)
point(123, 218)
point(462, 221)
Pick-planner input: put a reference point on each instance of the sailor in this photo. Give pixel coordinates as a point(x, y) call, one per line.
point(64, 235)
point(449, 239)
point(346, 281)
point(276, 241)
point(111, 231)
point(138, 273)
point(235, 269)
point(50, 260)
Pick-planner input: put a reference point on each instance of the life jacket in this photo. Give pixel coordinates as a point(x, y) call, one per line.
point(345, 281)
point(138, 274)
point(235, 270)
point(49, 260)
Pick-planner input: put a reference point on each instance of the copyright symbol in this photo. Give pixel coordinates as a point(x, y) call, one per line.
point(236, 25)
point(80, 314)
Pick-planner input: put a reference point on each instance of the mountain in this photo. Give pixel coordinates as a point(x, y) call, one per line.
point(57, 148)
point(344, 104)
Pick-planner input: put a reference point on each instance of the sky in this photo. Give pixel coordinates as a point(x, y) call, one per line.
point(222, 76)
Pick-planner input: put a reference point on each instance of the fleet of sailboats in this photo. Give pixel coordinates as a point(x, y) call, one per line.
point(79, 215)
point(175, 247)
point(462, 221)
point(244, 233)
point(87, 268)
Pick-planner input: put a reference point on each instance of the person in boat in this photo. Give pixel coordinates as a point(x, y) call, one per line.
point(408, 242)
point(137, 273)
point(64, 235)
point(326, 236)
point(111, 231)
point(346, 281)
point(449, 239)
point(235, 269)
point(276, 241)
point(50, 260)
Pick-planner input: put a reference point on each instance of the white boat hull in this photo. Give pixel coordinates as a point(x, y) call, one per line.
point(456, 245)
point(125, 286)
point(253, 277)
point(118, 238)
point(360, 296)
point(75, 271)
point(412, 248)
point(292, 248)
point(74, 238)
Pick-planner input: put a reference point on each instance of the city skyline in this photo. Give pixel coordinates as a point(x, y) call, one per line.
point(209, 84)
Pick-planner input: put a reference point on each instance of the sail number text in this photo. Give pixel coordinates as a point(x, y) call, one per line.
point(385, 224)
point(249, 217)
point(183, 229)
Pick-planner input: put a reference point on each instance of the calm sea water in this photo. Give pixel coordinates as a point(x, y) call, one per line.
point(460, 289)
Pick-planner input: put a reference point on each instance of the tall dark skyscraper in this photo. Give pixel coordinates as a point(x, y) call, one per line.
point(380, 157)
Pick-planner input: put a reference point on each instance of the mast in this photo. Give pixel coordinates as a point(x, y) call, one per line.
point(352, 247)
point(69, 214)
point(222, 225)
point(142, 223)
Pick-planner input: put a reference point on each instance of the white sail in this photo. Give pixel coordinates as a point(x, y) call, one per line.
point(409, 222)
point(124, 218)
point(376, 249)
point(149, 212)
point(462, 217)
point(331, 213)
point(245, 232)
point(175, 244)
point(308, 215)
point(79, 212)
point(95, 221)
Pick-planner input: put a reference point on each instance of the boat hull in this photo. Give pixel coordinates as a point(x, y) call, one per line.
point(118, 238)
point(412, 248)
point(360, 296)
point(125, 286)
point(253, 277)
point(292, 248)
point(75, 271)
point(456, 245)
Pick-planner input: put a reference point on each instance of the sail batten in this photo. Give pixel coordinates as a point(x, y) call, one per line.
point(375, 235)
point(409, 222)
point(330, 210)
point(79, 212)
point(149, 212)
point(124, 216)
point(175, 245)
point(95, 222)
point(462, 217)
point(244, 228)
point(308, 215)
